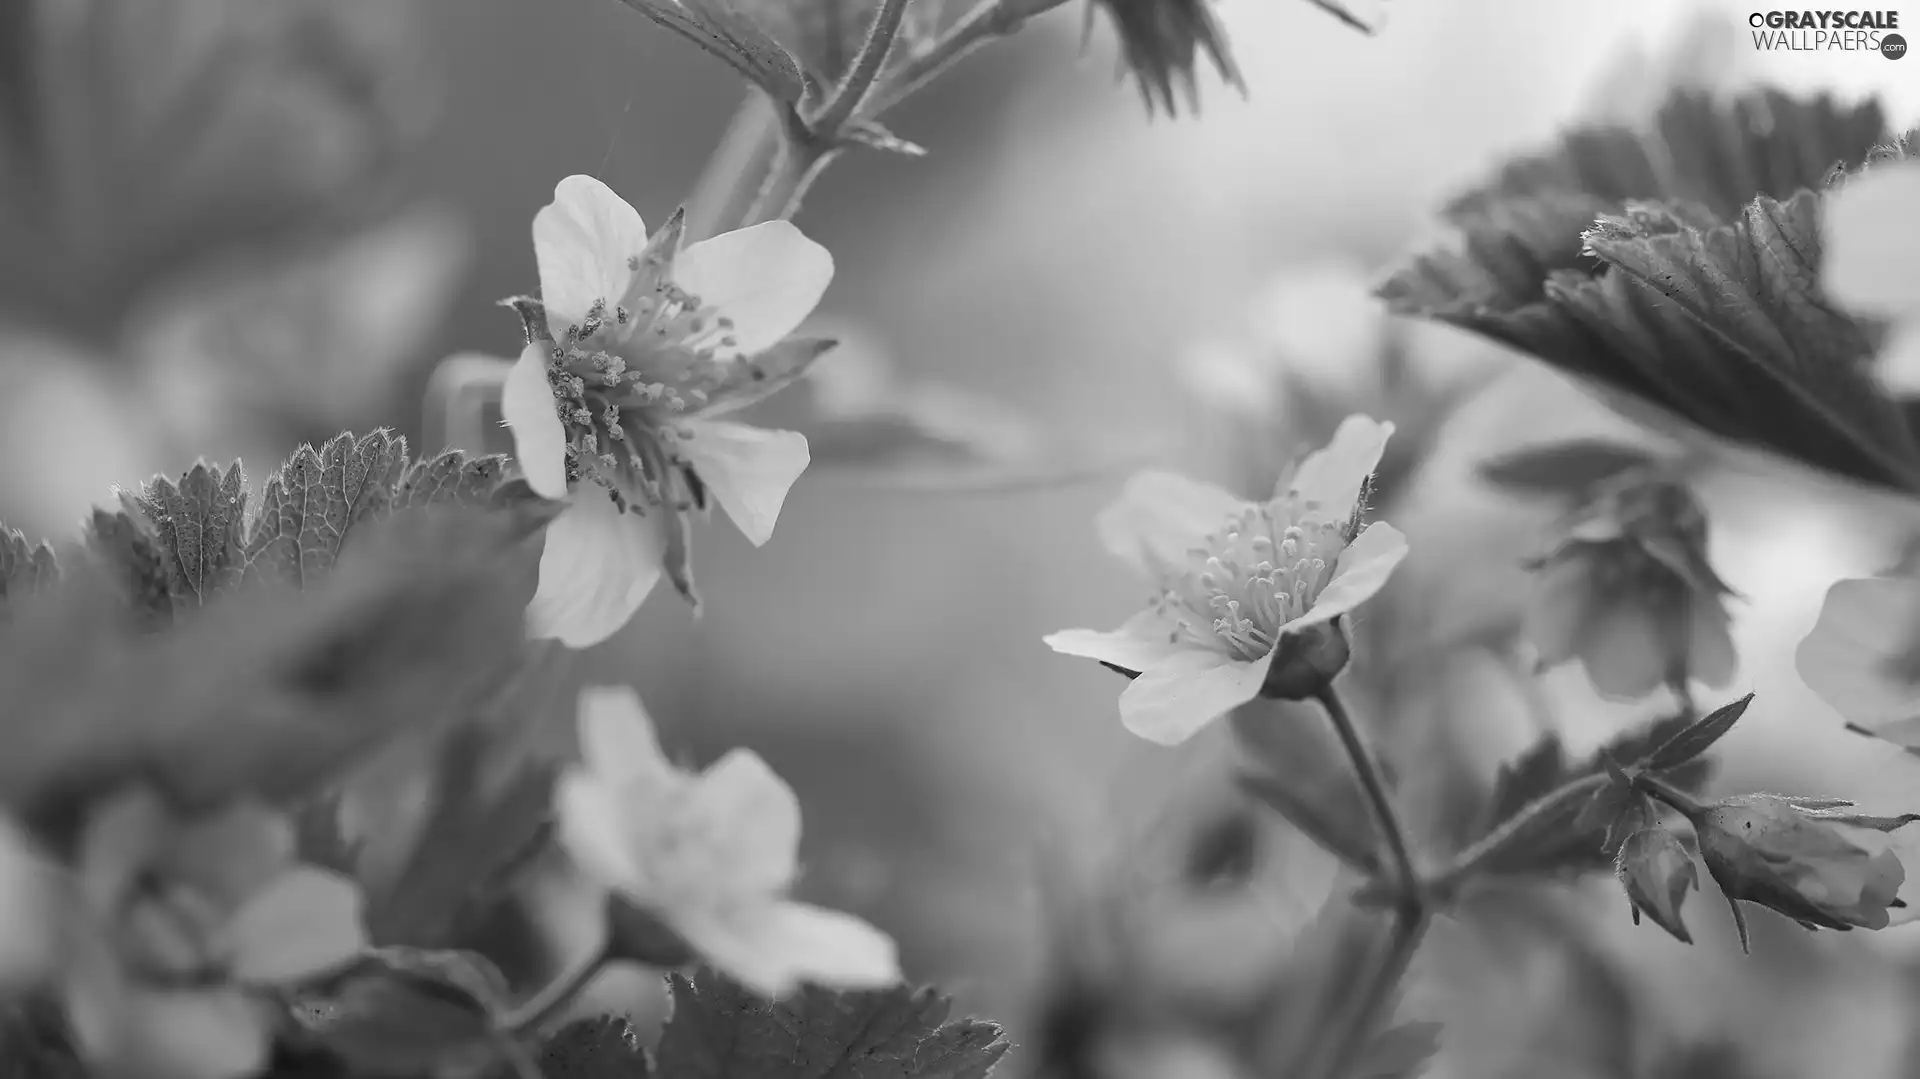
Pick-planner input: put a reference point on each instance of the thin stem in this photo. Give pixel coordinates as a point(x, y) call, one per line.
point(1468, 861)
point(798, 163)
point(989, 19)
point(866, 68)
point(1668, 793)
point(1386, 820)
point(552, 999)
point(744, 155)
point(1410, 911)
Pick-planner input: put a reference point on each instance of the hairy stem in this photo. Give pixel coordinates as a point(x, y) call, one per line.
point(866, 68)
point(1668, 793)
point(1410, 908)
point(1468, 861)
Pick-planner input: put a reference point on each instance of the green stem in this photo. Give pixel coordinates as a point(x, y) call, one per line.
point(1410, 909)
point(556, 995)
point(866, 68)
point(989, 19)
point(799, 161)
point(1468, 861)
point(1668, 793)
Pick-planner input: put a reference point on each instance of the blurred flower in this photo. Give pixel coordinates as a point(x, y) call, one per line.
point(1806, 858)
point(711, 855)
point(1162, 41)
point(1656, 872)
point(1863, 656)
point(1871, 264)
point(180, 922)
point(1250, 593)
point(1628, 591)
point(653, 343)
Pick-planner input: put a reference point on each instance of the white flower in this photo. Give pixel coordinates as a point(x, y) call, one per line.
point(1863, 656)
point(1870, 238)
point(1239, 583)
point(712, 855)
point(652, 344)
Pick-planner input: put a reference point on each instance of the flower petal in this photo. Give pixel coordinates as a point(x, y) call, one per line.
point(772, 948)
point(596, 570)
point(1330, 478)
point(1869, 260)
point(748, 469)
point(1853, 656)
point(617, 737)
point(1139, 643)
point(767, 278)
point(582, 241)
point(1711, 658)
point(590, 821)
point(539, 438)
point(1363, 568)
point(753, 818)
point(1161, 516)
point(305, 922)
point(1174, 698)
point(194, 1034)
point(230, 856)
point(122, 838)
point(1625, 649)
point(1558, 600)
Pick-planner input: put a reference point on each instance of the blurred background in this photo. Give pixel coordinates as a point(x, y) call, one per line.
point(231, 226)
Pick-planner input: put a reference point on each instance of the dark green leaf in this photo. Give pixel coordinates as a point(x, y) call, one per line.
point(1401, 1052)
point(269, 691)
point(315, 502)
point(1697, 738)
point(200, 523)
point(721, 1031)
point(720, 28)
point(125, 547)
point(603, 1048)
point(402, 1012)
point(1567, 469)
point(25, 568)
point(1527, 778)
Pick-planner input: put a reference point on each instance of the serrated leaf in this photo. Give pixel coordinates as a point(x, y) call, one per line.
point(720, 28)
point(269, 691)
point(401, 1012)
point(124, 545)
point(1527, 778)
point(317, 499)
point(1698, 737)
point(200, 522)
point(1566, 469)
point(452, 478)
point(1402, 1052)
point(719, 1030)
point(25, 568)
point(603, 1048)
point(1692, 325)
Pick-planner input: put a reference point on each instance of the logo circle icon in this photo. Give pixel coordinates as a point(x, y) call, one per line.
point(1893, 46)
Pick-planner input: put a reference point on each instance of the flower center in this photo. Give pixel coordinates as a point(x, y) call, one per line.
point(1251, 578)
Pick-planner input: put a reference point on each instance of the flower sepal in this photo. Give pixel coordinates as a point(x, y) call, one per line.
point(1306, 661)
point(1656, 872)
point(635, 935)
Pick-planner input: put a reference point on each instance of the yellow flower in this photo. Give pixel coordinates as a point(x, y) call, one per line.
point(178, 926)
point(711, 855)
point(652, 345)
point(1249, 595)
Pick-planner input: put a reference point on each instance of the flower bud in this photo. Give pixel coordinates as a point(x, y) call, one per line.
point(1306, 661)
point(1628, 591)
point(1656, 872)
point(1811, 861)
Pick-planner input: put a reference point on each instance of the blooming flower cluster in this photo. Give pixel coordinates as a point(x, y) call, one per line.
point(1248, 595)
point(620, 411)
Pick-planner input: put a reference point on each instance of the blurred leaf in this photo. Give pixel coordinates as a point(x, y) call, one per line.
point(603, 1048)
point(471, 837)
point(402, 1012)
point(1348, 836)
point(1529, 777)
point(1401, 1052)
point(870, 134)
point(1702, 309)
point(317, 499)
point(1567, 469)
point(721, 1031)
point(1698, 737)
point(34, 1043)
point(25, 568)
point(270, 691)
point(200, 522)
point(1162, 42)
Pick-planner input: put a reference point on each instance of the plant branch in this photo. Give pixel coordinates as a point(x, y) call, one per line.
point(1386, 820)
point(1668, 793)
point(1468, 861)
point(987, 20)
point(866, 68)
point(554, 997)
